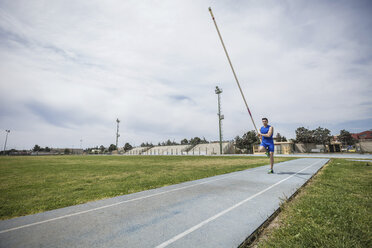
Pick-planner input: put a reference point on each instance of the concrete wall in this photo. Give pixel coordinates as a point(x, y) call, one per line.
point(283, 147)
point(201, 149)
point(306, 148)
point(210, 149)
point(280, 148)
point(136, 151)
point(167, 150)
point(365, 145)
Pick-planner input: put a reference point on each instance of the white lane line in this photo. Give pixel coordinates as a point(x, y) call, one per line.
point(188, 231)
point(122, 202)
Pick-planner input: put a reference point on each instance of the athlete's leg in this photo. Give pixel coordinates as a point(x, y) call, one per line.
point(264, 148)
point(271, 150)
point(272, 160)
point(261, 148)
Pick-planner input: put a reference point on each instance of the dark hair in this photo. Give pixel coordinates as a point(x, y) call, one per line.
point(265, 119)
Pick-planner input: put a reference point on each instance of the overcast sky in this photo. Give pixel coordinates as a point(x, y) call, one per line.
point(70, 68)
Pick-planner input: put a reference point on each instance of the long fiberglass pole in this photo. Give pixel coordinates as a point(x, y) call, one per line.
point(232, 68)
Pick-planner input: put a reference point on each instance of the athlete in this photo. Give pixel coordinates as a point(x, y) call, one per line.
point(267, 144)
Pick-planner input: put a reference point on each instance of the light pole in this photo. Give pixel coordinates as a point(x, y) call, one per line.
point(6, 139)
point(117, 132)
point(218, 91)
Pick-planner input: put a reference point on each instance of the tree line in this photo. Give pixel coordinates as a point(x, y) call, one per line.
point(322, 136)
point(319, 135)
point(244, 144)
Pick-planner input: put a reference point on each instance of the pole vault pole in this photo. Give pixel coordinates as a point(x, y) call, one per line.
point(232, 68)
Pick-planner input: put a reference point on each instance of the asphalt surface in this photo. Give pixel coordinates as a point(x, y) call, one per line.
point(319, 155)
point(219, 211)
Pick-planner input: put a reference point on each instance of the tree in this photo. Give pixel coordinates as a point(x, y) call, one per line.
point(239, 142)
point(47, 149)
point(304, 135)
point(127, 147)
point(247, 141)
point(36, 148)
point(278, 137)
point(67, 151)
point(101, 148)
point(345, 138)
point(322, 136)
point(167, 143)
point(184, 142)
point(147, 144)
point(318, 136)
point(112, 147)
point(195, 141)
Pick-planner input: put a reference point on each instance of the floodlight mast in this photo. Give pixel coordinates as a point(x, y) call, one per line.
point(117, 132)
point(218, 91)
point(232, 68)
point(6, 139)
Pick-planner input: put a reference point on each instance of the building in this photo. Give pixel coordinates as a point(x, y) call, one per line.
point(366, 135)
point(364, 141)
point(284, 147)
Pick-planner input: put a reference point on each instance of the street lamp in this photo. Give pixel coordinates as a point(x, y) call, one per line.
point(6, 139)
point(117, 132)
point(218, 91)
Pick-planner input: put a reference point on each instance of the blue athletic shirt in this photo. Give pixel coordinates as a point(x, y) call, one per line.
point(265, 130)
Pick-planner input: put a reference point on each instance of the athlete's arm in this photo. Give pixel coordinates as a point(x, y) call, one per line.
point(269, 133)
point(259, 134)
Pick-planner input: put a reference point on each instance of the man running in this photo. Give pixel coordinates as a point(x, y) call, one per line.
point(267, 144)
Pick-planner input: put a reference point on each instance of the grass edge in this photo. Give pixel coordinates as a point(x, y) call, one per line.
point(257, 234)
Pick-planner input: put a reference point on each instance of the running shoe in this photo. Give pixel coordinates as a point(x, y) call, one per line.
point(271, 172)
point(267, 153)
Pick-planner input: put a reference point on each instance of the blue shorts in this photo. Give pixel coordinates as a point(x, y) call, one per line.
point(269, 146)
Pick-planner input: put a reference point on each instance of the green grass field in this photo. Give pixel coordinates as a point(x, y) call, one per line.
point(30, 185)
point(334, 210)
